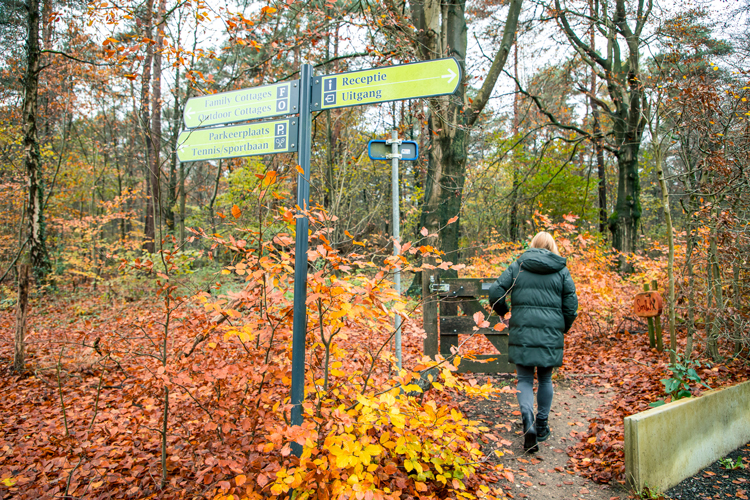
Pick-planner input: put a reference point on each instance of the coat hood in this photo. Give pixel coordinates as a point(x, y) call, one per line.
point(540, 261)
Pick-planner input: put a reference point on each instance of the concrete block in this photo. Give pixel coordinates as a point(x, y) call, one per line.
point(667, 444)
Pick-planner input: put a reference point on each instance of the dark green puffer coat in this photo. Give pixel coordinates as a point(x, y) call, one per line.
point(544, 305)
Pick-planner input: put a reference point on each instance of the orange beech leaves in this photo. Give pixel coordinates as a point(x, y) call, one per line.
point(186, 395)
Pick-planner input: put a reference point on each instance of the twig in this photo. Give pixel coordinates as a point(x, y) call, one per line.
point(20, 250)
point(96, 402)
point(70, 477)
point(59, 388)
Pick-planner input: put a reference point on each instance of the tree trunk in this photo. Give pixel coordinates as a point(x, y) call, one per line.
point(182, 203)
point(174, 183)
point(602, 174)
point(513, 219)
point(149, 227)
point(597, 131)
point(214, 193)
point(156, 122)
point(659, 157)
point(625, 89)
point(32, 158)
point(441, 32)
point(624, 221)
point(691, 280)
point(21, 308)
point(736, 302)
point(714, 283)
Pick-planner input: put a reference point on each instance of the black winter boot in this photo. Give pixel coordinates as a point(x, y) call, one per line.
point(542, 429)
point(529, 433)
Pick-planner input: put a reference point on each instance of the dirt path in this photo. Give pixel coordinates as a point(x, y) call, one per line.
point(545, 475)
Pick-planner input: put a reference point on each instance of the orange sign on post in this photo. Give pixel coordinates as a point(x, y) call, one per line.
point(648, 304)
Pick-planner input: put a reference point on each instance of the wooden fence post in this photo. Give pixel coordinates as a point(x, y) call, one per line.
point(429, 314)
point(651, 338)
point(21, 309)
point(657, 323)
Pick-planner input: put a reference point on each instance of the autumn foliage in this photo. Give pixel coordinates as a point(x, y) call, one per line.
point(188, 393)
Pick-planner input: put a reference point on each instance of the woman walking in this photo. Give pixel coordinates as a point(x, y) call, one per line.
point(544, 305)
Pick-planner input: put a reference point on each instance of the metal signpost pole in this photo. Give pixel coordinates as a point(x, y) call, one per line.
point(299, 328)
point(395, 155)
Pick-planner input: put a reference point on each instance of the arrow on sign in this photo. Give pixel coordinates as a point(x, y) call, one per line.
point(387, 83)
point(452, 75)
point(189, 113)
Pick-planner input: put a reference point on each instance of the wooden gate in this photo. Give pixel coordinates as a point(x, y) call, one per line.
point(442, 301)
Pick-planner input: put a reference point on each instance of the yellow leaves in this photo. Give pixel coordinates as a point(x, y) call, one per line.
point(268, 10)
point(398, 421)
point(277, 489)
point(591, 440)
point(388, 399)
point(236, 212)
point(240, 480)
point(9, 481)
point(412, 388)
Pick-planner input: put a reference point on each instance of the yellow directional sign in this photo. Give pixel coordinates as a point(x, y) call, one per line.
point(242, 105)
point(278, 136)
point(388, 83)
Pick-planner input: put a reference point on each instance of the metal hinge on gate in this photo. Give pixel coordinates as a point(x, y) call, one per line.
point(438, 287)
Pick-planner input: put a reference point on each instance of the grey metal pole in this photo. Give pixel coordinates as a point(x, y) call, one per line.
point(299, 326)
point(395, 155)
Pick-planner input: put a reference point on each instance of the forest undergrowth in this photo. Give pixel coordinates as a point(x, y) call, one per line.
point(185, 394)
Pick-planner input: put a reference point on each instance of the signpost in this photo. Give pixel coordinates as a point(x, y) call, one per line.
point(388, 83)
point(278, 136)
point(648, 304)
point(382, 150)
point(394, 149)
point(242, 105)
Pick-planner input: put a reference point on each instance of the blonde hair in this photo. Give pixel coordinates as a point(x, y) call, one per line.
point(544, 240)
